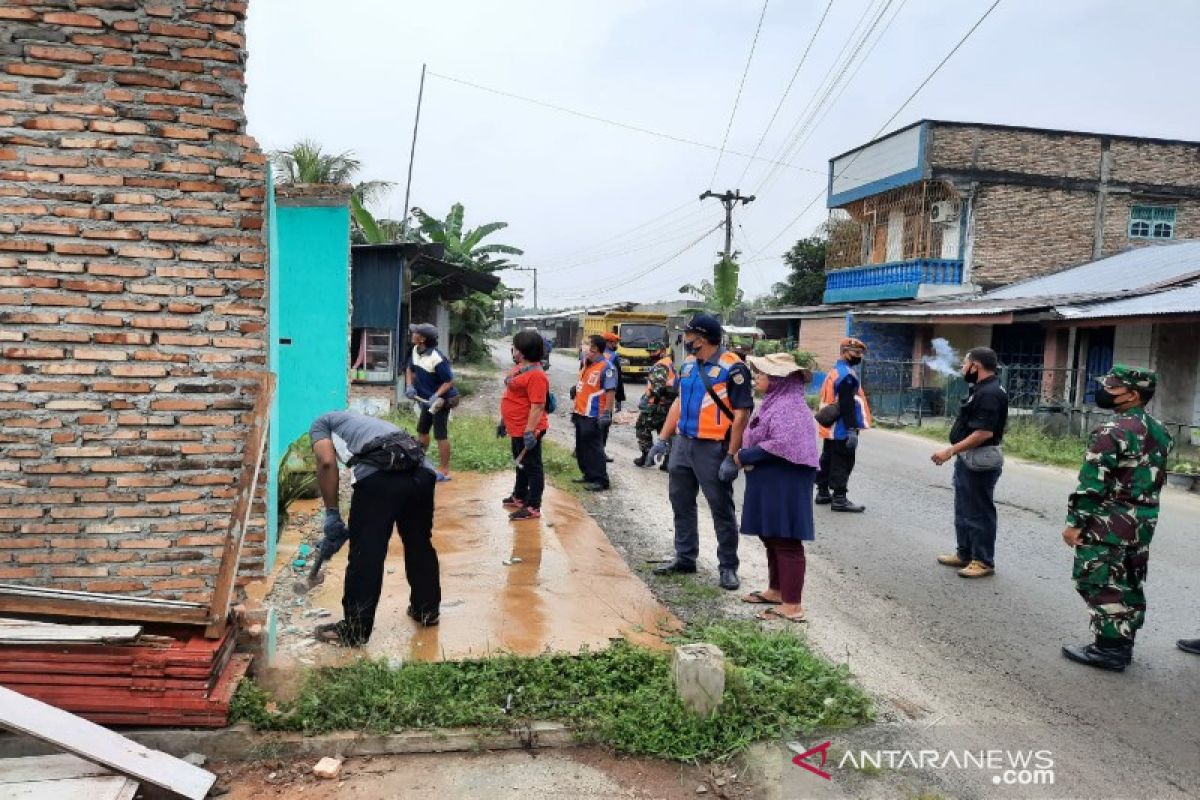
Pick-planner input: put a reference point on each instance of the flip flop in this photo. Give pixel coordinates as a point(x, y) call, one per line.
point(768, 614)
point(757, 599)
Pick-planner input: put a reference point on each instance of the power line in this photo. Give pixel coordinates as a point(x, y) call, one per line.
point(741, 86)
point(786, 91)
point(624, 125)
point(637, 234)
point(890, 119)
point(619, 281)
point(608, 256)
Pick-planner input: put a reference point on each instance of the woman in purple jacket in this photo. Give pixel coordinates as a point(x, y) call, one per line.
point(779, 455)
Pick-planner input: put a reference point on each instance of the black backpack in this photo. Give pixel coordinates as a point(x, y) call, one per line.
point(392, 452)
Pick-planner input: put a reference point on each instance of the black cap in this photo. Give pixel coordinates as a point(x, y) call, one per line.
point(706, 325)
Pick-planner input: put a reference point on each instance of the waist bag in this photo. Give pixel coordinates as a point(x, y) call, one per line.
point(392, 452)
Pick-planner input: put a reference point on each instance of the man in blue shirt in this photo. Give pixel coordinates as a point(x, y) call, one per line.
point(710, 414)
point(431, 382)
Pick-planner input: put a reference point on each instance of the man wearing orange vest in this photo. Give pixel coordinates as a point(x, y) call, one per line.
point(710, 414)
point(595, 396)
point(843, 387)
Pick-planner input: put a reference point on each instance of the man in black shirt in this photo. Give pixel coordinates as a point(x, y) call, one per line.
point(975, 439)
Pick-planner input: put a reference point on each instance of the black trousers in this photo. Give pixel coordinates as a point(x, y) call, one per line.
point(589, 449)
point(531, 477)
point(380, 503)
point(837, 462)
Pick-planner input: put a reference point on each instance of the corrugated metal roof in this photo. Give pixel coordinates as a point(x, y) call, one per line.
point(1139, 268)
point(1184, 300)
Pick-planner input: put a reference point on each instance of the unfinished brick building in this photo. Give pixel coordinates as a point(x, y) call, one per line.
point(948, 207)
point(132, 292)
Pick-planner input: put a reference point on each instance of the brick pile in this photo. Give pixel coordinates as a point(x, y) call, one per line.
point(132, 292)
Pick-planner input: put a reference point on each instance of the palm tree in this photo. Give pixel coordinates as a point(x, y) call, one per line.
point(465, 248)
point(307, 162)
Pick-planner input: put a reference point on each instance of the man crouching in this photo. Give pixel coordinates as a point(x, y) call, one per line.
point(393, 488)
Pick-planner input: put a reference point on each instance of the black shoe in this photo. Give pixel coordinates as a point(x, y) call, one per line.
point(609, 459)
point(675, 566)
point(1114, 659)
point(596, 487)
point(729, 579)
point(579, 480)
point(640, 461)
point(842, 503)
point(663, 466)
point(426, 618)
point(823, 498)
point(1189, 645)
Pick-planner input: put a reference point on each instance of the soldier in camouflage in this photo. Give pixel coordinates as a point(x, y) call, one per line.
point(655, 403)
point(1112, 514)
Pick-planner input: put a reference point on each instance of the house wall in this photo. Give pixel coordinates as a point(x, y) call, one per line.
point(132, 292)
point(963, 337)
point(1045, 200)
point(1178, 354)
point(823, 338)
point(1133, 345)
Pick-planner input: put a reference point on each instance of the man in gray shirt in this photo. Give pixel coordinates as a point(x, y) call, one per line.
point(381, 500)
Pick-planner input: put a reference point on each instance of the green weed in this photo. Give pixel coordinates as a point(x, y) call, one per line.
point(621, 696)
point(1022, 439)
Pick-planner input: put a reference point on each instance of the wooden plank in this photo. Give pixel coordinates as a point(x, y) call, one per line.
point(107, 787)
point(20, 631)
point(247, 486)
point(68, 732)
point(48, 768)
point(64, 603)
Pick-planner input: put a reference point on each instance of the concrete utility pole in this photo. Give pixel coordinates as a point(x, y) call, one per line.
point(729, 199)
point(534, 271)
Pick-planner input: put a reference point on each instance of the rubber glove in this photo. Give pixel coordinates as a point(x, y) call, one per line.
point(852, 441)
point(501, 430)
point(657, 452)
point(436, 404)
point(728, 470)
point(411, 393)
point(529, 439)
point(604, 420)
point(335, 533)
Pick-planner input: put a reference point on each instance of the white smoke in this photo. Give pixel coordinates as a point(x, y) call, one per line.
point(945, 360)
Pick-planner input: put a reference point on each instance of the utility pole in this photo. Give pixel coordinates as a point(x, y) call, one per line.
point(534, 271)
point(412, 152)
point(729, 200)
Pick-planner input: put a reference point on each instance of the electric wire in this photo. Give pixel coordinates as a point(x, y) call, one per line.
point(738, 98)
point(786, 91)
point(595, 118)
point(889, 120)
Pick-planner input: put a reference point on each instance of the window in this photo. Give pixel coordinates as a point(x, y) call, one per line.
point(1152, 222)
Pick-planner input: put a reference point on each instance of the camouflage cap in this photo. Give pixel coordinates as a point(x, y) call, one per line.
point(1131, 377)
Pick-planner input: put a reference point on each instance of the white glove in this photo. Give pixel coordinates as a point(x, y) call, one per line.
point(436, 404)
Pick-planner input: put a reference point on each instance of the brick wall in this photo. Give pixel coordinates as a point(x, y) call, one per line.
point(1005, 150)
point(131, 291)
point(1024, 231)
point(822, 337)
point(1116, 221)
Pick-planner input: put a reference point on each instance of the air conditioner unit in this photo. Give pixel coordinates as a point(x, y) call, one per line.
point(943, 211)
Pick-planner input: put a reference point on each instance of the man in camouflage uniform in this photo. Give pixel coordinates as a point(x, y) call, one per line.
point(1112, 514)
point(655, 403)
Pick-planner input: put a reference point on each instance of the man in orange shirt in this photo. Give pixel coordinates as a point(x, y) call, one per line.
point(595, 398)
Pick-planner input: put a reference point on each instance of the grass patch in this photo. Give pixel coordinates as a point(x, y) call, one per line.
point(474, 447)
point(621, 696)
point(1022, 439)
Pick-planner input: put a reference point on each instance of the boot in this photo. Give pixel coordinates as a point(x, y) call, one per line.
point(1102, 654)
point(640, 461)
point(823, 497)
point(842, 503)
point(1189, 646)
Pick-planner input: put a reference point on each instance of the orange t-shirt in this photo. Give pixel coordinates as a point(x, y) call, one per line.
point(521, 391)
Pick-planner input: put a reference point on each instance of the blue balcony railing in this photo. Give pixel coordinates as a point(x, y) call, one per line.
point(892, 281)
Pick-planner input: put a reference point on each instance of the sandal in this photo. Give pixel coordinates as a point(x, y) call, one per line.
point(756, 598)
point(338, 634)
point(768, 614)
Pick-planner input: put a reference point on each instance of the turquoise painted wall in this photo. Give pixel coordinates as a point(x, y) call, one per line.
point(310, 319)
point(274, 449)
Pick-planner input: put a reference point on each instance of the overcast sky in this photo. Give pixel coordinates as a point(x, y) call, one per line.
point(598, 208)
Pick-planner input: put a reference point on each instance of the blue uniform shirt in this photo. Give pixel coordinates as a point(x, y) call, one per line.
point(699, 416)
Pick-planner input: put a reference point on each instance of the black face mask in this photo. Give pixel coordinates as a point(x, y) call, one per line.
point(853, 361)
point(972, 377)
point(1105, 399)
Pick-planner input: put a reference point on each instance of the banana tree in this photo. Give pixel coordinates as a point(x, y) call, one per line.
point(465, 248)
point(721, 295)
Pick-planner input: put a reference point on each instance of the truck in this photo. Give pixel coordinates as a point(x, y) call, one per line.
point(639, 333)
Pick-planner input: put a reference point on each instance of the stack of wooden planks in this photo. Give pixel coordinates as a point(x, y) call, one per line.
point(123, 674)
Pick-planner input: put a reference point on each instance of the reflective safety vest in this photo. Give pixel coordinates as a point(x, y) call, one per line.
point(699, 416)
point(589, 391)
point(833, 379)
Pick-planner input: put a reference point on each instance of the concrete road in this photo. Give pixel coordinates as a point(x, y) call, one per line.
point(970, 663)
